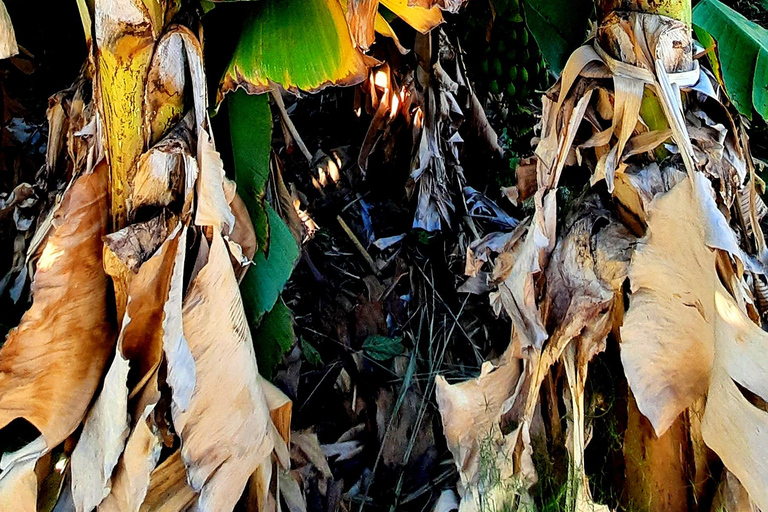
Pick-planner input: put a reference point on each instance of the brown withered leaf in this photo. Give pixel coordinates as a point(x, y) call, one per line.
point(636, 187)
point(480, 125)
point(168, 490)
point(579, 494)
point(526, 185)
point(8, 46)
point(132, 476)
point(138, 354)
point(732, 496)
point(212, 206)
point(259, 498)
point(280, 408)
point(51, 364)
point(127, 249)
point(516, 273)
point(435, 163)
point(471, 412)
point(291, 492)
point(18, 487)
point(446, 5)
point(243, 233)
point(398, 418)
point(226, 430)
point(685, 336)
point(136, 243)
point(306, 450)
point(586, 271)
point(162, 170)
point(668, 360)
point(361, 18)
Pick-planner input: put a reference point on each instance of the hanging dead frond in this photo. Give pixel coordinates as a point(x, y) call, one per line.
point(136, 360)
point(495, 470)
point(685, 336)
point(51, 364)
point(221, 456)
point(8, 46)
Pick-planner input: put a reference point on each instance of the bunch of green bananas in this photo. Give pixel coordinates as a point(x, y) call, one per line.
point(503, 58)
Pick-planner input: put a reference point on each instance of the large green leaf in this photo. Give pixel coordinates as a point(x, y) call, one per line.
point(266, 278)
point(250, 128)
point(273, 338)
point(743, 50)
point(250, 122)
point(559, 27)
point(300, 44)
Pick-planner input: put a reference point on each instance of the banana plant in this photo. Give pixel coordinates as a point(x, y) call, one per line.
point(156, 282)
point(651, 259)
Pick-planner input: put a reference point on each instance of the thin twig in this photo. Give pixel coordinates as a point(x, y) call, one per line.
point(358, 245)
point(277, 96)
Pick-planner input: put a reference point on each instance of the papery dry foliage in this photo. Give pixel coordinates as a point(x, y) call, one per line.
point(683, 236)
point(173, 345)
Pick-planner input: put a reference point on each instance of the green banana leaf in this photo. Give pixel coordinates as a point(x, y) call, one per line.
point(559, 27)
point(300, 44)
point(250, 121)
point(743, 50)
point(265, 280)
point(250, 128)
point(273, 338)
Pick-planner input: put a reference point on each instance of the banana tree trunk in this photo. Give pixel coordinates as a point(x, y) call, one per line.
point(659, 470)
point(677, 9)
point(124, 37)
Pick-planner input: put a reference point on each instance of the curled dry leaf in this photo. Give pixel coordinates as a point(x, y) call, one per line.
point(8, 46)
point(636, 187)
point(126, 250)
point(516, 273)
point(586, 272)
point(361, 18)
point(495, 469)
point(163, 170)
point(668, 359)
point(579, 495)
point(18, 487)
point(380, 25)
point(135, 244)
point(131, 478)
point(226, 431)
point(168, 489)
point(212, 205)
point(291, 492)
point(166, 80)
point(52, 363)
point(685, 336)
point(305, 449)
point(243, 233)
point(435, 161)
point(182, 371)
point(732, 496)
point(138, 354)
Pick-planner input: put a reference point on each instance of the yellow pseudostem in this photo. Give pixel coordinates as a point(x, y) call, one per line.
point(126, 33)
point(677, 9)
point(122, 71)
